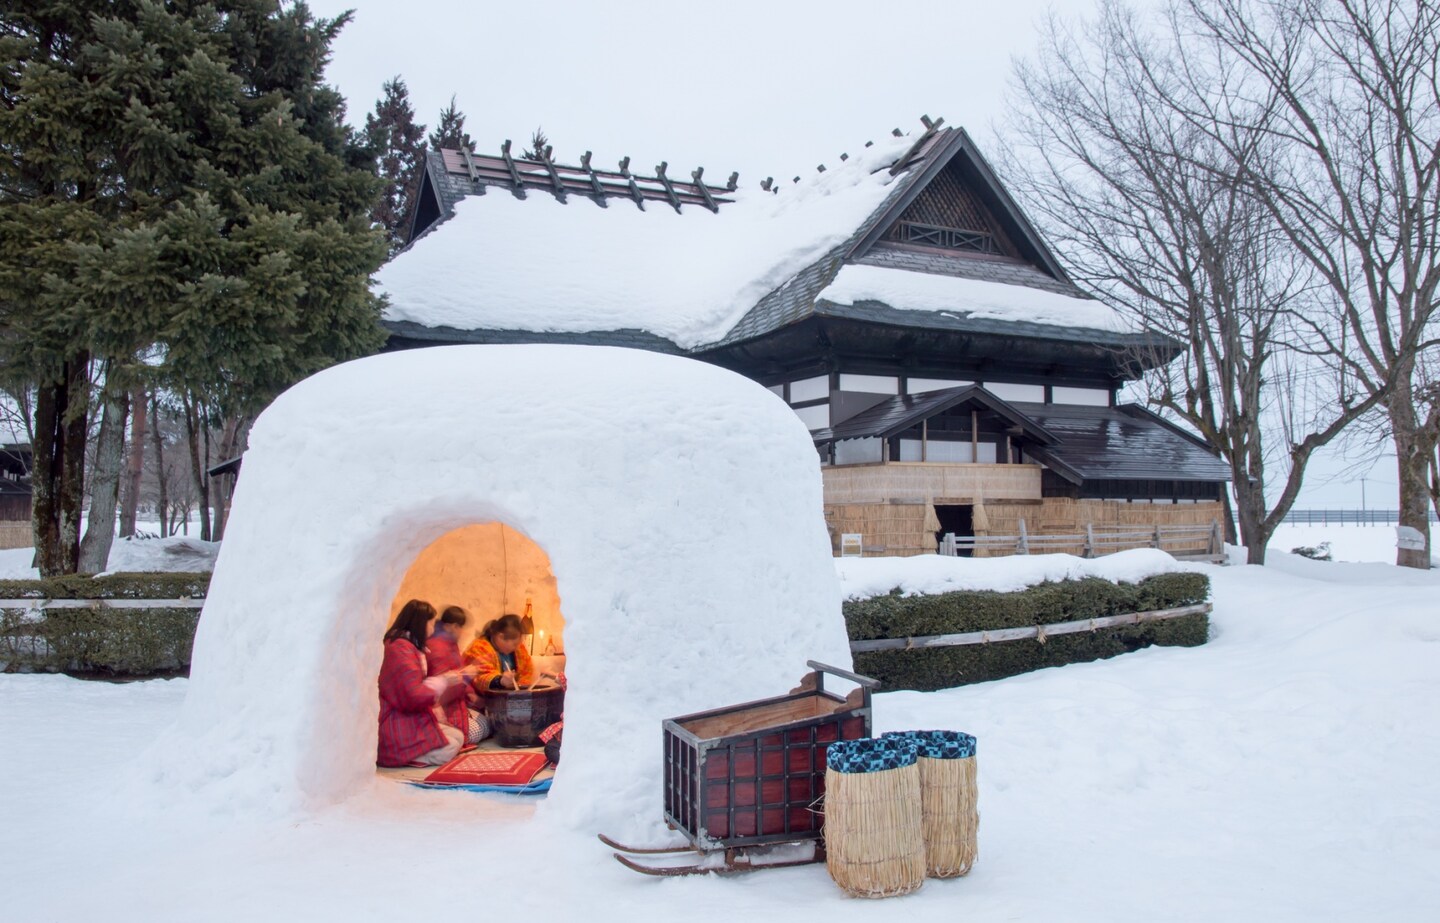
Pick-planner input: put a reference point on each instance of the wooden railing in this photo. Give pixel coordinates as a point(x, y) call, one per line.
point(1197, 542)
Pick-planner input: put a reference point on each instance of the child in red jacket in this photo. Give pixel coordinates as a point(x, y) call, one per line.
point(443, 652)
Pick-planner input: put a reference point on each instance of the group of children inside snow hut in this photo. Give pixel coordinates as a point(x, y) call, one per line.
point(429, 690)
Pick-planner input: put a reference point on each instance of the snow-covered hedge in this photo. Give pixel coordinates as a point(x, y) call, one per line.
point(900, 616)
point(112, 642)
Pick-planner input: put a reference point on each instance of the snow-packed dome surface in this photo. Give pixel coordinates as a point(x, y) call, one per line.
point(679, 505)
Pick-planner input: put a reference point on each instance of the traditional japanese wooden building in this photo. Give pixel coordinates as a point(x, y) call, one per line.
point(952, 375)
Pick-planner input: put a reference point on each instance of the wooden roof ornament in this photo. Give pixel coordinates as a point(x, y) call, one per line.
point(520, 174)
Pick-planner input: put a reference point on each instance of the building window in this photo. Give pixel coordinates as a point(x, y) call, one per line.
point(810, 389)
point(870, 384)
point(1090, 397)
point(948, 238)
point(1008, 391)
point(858, 451)
point(921, 385)
point(816, 416)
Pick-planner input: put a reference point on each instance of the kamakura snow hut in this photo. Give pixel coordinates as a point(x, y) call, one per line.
point(953, 377)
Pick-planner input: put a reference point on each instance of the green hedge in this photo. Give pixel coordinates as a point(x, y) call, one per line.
point(896, 616)
point(103, 642)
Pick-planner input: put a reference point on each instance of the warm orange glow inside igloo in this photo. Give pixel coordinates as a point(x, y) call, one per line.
point(488, 570)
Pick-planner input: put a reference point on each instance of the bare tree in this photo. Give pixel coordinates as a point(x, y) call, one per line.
point(1153, 218)
point(1346, 94)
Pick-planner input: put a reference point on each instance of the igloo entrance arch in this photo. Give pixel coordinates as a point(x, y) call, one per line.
point(488, 569)
point(679, 505)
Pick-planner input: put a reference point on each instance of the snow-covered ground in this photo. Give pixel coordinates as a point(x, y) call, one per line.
point(1284, 771)
point(1349, 542)
point(176, 553)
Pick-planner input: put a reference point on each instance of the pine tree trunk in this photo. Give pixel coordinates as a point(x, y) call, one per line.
point(105, 481)
point(195, 432)
point(162, 502)
point(1412, 457)
point(58, 474)
point(134, 463)
point(231, 439)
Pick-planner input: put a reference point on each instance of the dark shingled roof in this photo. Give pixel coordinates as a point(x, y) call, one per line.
point(903, 411)
point(1122, 443)
point(1081, 443)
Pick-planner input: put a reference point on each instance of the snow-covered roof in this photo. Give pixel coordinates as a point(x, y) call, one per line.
point(699, 278)
point(688, 276)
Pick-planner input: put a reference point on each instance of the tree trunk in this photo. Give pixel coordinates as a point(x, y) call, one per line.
point(134, 463)
point(195, 431)
point(1231, 536)
point(105, 480)
point(231, 438)
point(162, 502)
point(58, 474)
point(1250, 507)
point(1412, 457)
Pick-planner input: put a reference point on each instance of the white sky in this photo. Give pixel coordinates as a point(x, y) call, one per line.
point(766, 88)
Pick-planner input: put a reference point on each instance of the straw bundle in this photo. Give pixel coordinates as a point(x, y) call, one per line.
point(873, 839)
point(948, 797)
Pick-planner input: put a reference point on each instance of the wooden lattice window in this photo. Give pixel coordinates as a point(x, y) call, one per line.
point(948, 238)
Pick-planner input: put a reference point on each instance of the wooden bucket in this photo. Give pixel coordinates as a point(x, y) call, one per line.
point(948, 800)
point(874, 846)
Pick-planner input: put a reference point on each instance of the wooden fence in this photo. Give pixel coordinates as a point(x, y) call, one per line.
point(1195, 542)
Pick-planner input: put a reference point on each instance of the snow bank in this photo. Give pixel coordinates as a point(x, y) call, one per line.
point(971, 298)
point(176, 553)
point(679, 505)
point(688, 277)
point(861, 578)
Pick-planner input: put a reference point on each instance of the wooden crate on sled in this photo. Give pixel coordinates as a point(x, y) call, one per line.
point(752, 774)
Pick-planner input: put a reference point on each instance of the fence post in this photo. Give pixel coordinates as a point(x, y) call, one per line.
point(1217, 544)
point(1155, 542)
point(1089, 541)
point(1022, 545)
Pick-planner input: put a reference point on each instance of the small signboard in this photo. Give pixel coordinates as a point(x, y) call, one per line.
point(1409, 538)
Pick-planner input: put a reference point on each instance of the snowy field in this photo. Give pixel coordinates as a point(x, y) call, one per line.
point(1284, 771)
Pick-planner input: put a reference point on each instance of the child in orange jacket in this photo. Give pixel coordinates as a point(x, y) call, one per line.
point(503, 661)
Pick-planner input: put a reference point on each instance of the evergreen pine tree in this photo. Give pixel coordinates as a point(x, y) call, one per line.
point(177, 178)
point(450, 131)
point(538, 144)
point(398, 145)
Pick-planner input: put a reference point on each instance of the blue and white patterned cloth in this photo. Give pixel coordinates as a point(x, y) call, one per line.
point(938, 745)
point(870, 754)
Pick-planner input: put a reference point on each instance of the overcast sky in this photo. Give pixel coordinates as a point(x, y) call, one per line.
point(766, 88)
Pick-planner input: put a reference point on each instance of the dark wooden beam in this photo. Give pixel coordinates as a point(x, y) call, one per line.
point(696, 175)
point(669, 187)
point(599, 196)
point(514, 173)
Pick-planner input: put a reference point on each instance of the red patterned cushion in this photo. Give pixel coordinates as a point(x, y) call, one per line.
point(487, 767)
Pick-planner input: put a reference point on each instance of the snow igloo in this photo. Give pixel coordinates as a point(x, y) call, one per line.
point(670, 511)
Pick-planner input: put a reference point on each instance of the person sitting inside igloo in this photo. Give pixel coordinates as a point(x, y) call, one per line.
point(442, 652)
point(502, 661)
point(414, 728)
